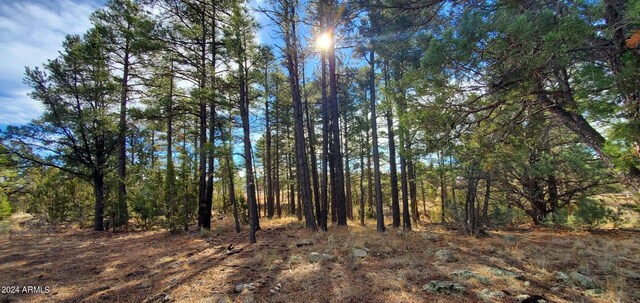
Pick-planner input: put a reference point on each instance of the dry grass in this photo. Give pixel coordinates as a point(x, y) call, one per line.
point(194, 267)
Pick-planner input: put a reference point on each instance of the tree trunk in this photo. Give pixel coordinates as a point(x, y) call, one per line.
point(325, 149)
point(268, 172)
point(443, 190)
point(335, 127)
point(424, 201)
point(276, 154)
point(186, 173)
point(470, 219)
point(250, 182)
point(552, 188)
point(625, 70)
point(170, 179)
point(376, 157)
point(292, 195)
point(413, 192)
point(589, 135)
point(487, 196)
point(406, 215)
point(362, 193)
point(393, 170)
point(302, 166)
point(454, 199)
point(206, 219)
point(212, 129)
point(347, 169)
point(232, 192)
point(312, 152)
point(98, 191)
point(404, 162)
point(370, 186)
point(226, 204)
point(122, 214)
point(534, 191)
point(253, 202)
point(202, 167)
point(255, 178)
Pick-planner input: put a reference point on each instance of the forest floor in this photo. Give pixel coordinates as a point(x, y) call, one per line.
point(156, 266)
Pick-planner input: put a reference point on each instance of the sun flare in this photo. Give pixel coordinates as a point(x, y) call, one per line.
point(324, 41)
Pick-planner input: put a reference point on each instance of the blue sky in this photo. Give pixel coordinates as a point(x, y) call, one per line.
point(32, 31)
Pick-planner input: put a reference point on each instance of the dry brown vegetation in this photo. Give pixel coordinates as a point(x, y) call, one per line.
point(157, 266)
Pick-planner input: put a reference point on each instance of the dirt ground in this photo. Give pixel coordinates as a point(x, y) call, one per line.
point(156, 266)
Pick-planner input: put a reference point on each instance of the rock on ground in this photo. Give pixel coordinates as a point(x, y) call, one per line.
point(304, 242)
point(507, 273)
point(584, 281)
point(430, 237)
point(467, 274)
point(528, 298)
point(360, 253)
point(445, 255)
point(563, 277)
point(243, 286)
point(444, 287)
point(315, 257)
point(488, 294)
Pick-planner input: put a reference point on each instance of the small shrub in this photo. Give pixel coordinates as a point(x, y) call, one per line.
point(5, 206)
point(501, 215)
point(559, 217)
point(243, 209)
point(60, 198)
point(591, 213)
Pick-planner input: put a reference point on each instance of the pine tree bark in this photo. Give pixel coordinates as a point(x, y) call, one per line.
point(268, 172)
point(362, 192)
point(413, 191)
point(302, 165)
point(370, 186)
point(376, 156)
point(347, 169)
point(249, 175)
point(335, 127)
point(312, 152)
point(443, 191)
point(276, 156)
point(232, 192)
point(122, 212)
point(393, 170)
point(324, 199)
point(202, 161)
point(98, 190)
point(487, 196)
point(212, 129)
point(170, 179)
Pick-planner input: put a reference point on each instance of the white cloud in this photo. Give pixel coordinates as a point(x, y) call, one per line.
point(264, 23)
point(31, 32)
point(18, 108)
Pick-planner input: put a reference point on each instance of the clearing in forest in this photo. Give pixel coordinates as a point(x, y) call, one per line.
point(354, 264)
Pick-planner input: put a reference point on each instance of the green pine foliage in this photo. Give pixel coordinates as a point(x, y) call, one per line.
point(61, 198)
point(591, 213)
point(5, 206)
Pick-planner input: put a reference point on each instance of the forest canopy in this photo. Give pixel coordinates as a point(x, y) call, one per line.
point(168, 113)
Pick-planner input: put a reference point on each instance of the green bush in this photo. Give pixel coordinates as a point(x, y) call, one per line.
point(243, 209)
point(147, 200)
point(559, 217)
point(5, 206)
point(591, 213)
point(501, 215)
point(60, 198)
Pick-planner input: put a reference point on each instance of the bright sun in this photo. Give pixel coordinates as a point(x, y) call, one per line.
point(323, 41)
